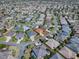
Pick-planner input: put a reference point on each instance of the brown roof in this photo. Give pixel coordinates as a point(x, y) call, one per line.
point(41, 31)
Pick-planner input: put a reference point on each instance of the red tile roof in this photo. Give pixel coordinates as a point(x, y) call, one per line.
point(41, 31)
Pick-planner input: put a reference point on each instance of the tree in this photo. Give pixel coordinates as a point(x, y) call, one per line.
point(47, 57)
point(32, 57)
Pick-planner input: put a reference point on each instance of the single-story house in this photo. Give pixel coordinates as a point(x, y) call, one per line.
point(65, 28)
point(62, 36)
point(57, 56)
point(63, 20)
point(52, 43)
point(67, 53)
point(39, 52)
point(11, 33)
point(41, 31)
point(74, 47)
point(19, 35)
point(29, 18)
point(26, 28)
point(31, 35)
point(74, 40)
point(17, 28)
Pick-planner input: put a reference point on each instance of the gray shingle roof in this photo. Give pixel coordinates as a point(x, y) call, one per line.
point(57, 56)
point(40, 52)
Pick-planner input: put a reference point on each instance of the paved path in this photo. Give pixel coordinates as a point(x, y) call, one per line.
point(8, 43)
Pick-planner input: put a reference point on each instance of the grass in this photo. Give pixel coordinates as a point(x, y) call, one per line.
point(30, 46)
point(27, 54)
point(25, 39)
point(2, 38)
point(52, 29)
point(2, 46)
point(14, 39)
point(27, 23)
point(15, 50)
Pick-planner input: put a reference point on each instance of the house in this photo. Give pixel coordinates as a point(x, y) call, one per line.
point(40, 22)
point(64, 33)
point(67, 53)
point(48, 20)
point(61, 36)
point(9, 35)
point(74, 46)
point(41, 31)
point(19, 35)
point(76, 29)
point(77, 34)
point(39, 52)
point(71, 21)
point(38, 43)
point(66, 28)
point(74, 40)
point(63, 21)
point(52, 43)
point(26, 28)
point(57, 56)
point(29, 18)
point(17, 27)
point(42, 15)
point(31, 35)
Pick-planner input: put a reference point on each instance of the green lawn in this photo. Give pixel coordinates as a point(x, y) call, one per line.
point(2, 38)
point(14, 39)
point(2, 46)
point(52, 29)
point(27, 23)
point(30, 46)
point(25, 39)
point(15, 50)
point(27, 54)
